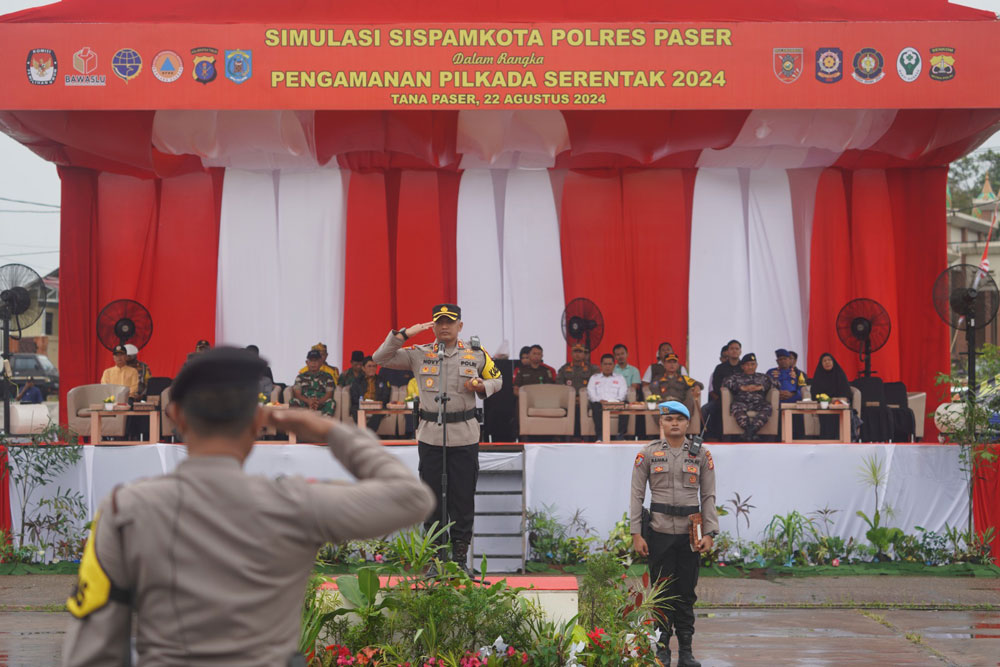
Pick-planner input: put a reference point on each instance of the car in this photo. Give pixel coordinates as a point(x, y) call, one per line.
point(37, 367)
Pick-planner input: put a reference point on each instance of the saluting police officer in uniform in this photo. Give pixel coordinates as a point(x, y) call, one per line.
point(214, 562)
point(462, 370)
point(681, 483)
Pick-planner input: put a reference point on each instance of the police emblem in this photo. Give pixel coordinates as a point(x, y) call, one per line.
point(908, 64)
point(639, 458)
point(204, 64)
point(829, 65)
point(126, 63)
point(167, 66)
point(787, 64)
point(868, 66)
point(239, 65)
point(942, 63)
point(41, 67)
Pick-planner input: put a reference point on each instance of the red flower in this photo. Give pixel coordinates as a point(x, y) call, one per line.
point(595, 636)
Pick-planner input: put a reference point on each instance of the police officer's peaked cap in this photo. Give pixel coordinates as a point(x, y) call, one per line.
point(674, 408)
point(749, 356)
point(781, 352)
point(449, 310)
point(222, 367)
point(119, 349)
point(314, 354)
point(576, 346)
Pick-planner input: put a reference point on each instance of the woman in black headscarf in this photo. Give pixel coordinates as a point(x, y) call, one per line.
point(830, 379)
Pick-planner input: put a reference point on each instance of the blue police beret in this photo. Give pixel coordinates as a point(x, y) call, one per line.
point(781, 352)
point(674, 408)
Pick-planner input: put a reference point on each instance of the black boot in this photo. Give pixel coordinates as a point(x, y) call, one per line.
point(460, 554)
point(684, 656)
point(663, 647)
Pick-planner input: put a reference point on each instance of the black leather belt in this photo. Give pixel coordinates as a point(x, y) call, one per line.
point(449, 417)
point(674, 510)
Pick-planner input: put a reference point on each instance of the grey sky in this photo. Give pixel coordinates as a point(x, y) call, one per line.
point(33, 238)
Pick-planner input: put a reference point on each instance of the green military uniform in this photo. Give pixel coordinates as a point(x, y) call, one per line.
point(214, 562)
point(576, 375)
point(749, 391)
point(680, 484)
point(315, 384)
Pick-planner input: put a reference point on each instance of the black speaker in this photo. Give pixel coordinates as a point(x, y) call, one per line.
point(500, 409)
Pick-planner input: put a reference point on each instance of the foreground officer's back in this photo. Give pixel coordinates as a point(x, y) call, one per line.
point(214, 561)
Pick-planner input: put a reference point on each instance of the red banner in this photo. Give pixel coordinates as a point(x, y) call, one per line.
point(463, 66)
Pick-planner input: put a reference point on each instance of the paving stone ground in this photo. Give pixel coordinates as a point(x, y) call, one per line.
point(809, 621)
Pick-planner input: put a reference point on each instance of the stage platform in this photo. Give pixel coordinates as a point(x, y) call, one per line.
point(925, 485)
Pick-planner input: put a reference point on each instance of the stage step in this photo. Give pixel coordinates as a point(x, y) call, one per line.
point(500, 518)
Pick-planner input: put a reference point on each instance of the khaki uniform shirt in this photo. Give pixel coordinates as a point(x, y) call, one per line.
point(674, 388)
point(674, 478)
point(577, 375)
point(218, 560)
point(126, 375)
point(448, 374)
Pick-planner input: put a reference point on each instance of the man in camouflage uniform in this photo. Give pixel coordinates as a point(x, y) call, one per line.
point(681, 480)
point(672, 385)
point(313, 389)
point(463, 370)
point(749, 390)
point(579, 371)
point(323, 366)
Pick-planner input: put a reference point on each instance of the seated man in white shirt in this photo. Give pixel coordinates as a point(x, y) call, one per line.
point(606, 386)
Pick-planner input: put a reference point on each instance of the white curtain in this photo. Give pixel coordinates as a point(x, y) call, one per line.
point(532, 264)
point(477, 246)
point(719, 287)
point(281, 265)
point(775, 298)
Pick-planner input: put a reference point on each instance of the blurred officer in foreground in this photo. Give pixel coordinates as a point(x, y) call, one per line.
point(214, 562)
point(681, 476)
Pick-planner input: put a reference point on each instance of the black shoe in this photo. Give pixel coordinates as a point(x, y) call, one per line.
point(685, 658)
point(663, 655)
point(460, 554)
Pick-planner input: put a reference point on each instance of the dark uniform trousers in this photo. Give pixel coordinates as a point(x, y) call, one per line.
point(463, 473)
point(671, 558)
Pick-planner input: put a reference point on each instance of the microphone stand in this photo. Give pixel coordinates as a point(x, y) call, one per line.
point(442, 401)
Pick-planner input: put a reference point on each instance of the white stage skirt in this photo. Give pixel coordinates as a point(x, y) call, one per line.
point(925, 485)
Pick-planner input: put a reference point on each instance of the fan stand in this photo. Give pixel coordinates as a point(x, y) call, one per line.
point(970, 344)
point(866, 357)
point(6, 378)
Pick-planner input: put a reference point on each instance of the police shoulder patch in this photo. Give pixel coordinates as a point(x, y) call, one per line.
point(708, 457)
point(93, 587)
point(639, 459)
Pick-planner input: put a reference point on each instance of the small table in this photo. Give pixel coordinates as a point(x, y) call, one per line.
point(606, 419)
point(789, 409)
point(291, 436)
point(363, 414)
point(95, 425)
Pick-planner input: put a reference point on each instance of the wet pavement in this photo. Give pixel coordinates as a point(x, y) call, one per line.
point(824, 630)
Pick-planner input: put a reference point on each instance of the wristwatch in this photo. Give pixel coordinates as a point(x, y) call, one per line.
point(401, 332)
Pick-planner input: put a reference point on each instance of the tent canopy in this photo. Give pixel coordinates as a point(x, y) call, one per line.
point(391, 11)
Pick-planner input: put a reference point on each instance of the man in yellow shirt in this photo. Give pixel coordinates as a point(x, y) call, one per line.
point(121, 373)
point(325, 367)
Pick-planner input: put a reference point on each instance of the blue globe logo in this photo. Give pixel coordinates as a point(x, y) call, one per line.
point(126, 63)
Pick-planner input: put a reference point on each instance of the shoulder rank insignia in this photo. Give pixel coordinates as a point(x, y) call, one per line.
point(708, 457)
point(430, 355)
point(93, 586)
point(639, 459)
point(468, 356)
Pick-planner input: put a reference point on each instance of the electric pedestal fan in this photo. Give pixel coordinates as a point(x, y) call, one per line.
point(863, 325)
point(583, 323)
point(124, 321)
point(22, 302)
point(966, 298)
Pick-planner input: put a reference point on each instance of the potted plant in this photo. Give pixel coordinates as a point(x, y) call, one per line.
point(409, 401)
point(109, 402)
point(262, 398)
point(652, 400)
point(824, 401)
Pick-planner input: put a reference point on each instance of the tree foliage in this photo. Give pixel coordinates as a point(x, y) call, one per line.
point(965, 177)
